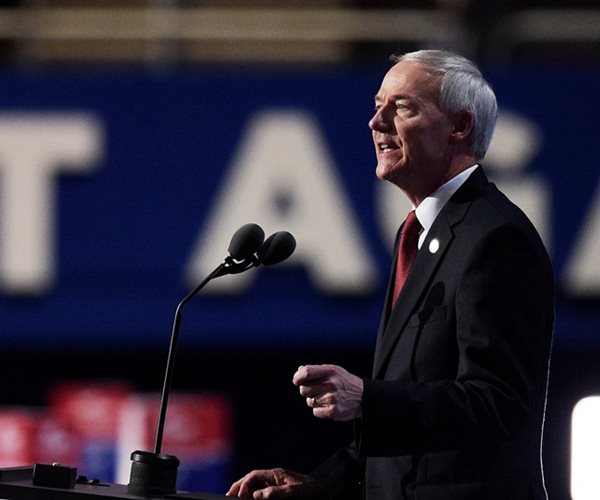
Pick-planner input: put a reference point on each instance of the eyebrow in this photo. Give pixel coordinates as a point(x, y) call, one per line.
point(396, 97)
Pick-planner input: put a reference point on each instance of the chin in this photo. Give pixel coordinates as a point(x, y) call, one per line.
point(386, 172)
point(382, 175)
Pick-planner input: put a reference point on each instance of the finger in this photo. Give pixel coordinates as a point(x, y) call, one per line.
point(233, 490)
point(251, 482)
point(264, 493)
point(326, 412)
point(244, 489)
point(307, 373)
point(300, 375)
point(310, 373)
point(273, 492)
point(311, 391)
point(318, 402)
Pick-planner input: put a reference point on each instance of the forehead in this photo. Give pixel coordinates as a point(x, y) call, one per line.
point(409, 79)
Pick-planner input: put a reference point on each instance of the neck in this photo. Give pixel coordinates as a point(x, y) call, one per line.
point(417, 193)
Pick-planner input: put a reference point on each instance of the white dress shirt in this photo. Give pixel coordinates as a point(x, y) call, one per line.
point(431, 206)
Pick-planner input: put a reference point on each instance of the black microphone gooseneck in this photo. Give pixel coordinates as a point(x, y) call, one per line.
point(244, 243)
point(156, 473)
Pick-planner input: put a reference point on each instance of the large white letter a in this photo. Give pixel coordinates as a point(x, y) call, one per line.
point(283, 178)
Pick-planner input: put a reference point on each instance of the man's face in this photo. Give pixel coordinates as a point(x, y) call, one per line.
point(410, 132)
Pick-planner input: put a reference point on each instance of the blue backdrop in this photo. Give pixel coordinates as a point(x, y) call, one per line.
point(124, 231)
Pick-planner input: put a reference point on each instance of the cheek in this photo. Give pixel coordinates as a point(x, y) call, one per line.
point(423, 138)
point(409, 136)
point(409, 129)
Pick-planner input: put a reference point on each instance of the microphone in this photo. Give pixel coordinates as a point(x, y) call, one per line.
point(246, 241)
point(277, 248)
point(156, 473)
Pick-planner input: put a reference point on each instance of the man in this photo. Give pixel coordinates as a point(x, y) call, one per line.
point(455, 406)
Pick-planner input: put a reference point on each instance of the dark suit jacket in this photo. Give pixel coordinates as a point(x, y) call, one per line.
point(455, 406)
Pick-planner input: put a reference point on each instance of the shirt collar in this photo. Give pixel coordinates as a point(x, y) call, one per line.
point(431, 206)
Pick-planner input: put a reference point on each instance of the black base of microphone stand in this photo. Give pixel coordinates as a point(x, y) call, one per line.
point(152, 474)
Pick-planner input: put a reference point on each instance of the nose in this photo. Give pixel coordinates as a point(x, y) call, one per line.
point(380, 121)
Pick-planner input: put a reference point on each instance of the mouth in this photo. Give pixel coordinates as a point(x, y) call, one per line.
point(386, 146)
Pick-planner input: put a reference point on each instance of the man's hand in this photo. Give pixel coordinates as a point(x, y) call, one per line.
point(277, 484)
point(330, 391)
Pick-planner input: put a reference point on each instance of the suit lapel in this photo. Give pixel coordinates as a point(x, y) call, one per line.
point(416, 284)
point(426, 263)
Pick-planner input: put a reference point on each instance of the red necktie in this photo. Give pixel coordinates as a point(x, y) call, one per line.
point(407, 251)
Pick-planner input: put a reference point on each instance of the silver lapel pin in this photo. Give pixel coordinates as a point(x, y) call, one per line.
point(434, 245)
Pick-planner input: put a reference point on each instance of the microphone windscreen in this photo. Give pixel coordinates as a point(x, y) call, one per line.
point(278, 247)
point(246, 241)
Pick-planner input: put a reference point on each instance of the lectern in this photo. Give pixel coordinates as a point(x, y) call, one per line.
point(16, 483)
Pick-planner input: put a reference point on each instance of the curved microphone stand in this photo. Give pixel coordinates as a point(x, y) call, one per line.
point(154, 473)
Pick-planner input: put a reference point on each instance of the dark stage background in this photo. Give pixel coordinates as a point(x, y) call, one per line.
point(273, 427)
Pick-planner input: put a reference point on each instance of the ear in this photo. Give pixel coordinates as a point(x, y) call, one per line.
point(462, 126)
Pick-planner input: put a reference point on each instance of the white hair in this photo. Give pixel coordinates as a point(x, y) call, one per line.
point(463, 87)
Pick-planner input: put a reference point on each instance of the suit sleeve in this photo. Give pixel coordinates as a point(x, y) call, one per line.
point(342, 474)
point(502, 323)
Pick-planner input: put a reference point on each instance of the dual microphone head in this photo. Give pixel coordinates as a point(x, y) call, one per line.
point(248, 248)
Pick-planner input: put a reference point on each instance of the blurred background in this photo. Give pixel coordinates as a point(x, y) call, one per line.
point(137, 135)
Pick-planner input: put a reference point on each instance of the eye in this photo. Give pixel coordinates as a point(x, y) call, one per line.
point(401, 105)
